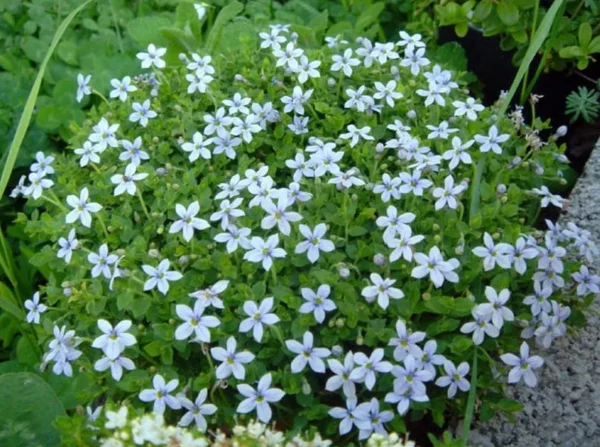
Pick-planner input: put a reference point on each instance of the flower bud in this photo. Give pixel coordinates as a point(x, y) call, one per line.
point(155, 140)
point(294, 37)
point(331, 82)
point(437, 238)
point(522, 220)
point(169, 166)
point(331, 323)
point(525, 164)
point(239, 78)
point(340, 322)
point(183, 57)
point(344, 272)
point(411, 114)
point(394, 70)
point(379, 148)
point(501, 189)
point(161, 171)
point(306, 388)
point(178, 108)
point(561, 131)
point(67, 291)
point(470, 296)
point(153, 253)
point(360, 340)
point(426, 296)
point(337, 351)
point(172, 321)
point(354, 197)
point(141, 327)
point(120, 252)
point(184, 260)
point(161, 229)
point(379, 259)
point(80, 410)
point(435, 227)
point(562, 181)
point(176, 186)
point(503, 199)
point(109, 115)
point(459, 250)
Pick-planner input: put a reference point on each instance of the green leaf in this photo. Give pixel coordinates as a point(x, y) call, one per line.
point(28, 409)
point(585, 35)
point(369, 16)
point(26, 353)
point(8, 303)
point(594, 46)
point(226, 14)
point(508, 13)
point(30, 104)
point(146, 30)
point(67, 51)
point(461, 29)
point(509, 405)
point(570, 52)
point(49, 118)
point(357, 231)
point(483, 10)
point(470, 410)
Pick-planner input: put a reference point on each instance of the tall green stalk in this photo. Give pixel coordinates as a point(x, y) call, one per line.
point(17, 141)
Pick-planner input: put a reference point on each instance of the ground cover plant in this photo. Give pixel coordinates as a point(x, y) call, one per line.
point(336, 238)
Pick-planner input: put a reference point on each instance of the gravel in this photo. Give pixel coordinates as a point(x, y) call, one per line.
point(564, 409)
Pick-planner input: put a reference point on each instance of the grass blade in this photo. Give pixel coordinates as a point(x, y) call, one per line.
point(15, 146)
point(470, 401)
point(536, 43)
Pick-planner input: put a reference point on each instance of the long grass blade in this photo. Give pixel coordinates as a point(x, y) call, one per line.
point(15, 146)
point(470, 401)
point(536, 43)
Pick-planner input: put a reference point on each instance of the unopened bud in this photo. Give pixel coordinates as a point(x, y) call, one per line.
point(561, 131)
point(331, 82)
point(394, 70)
point(411, 114)
point(435, 227)
point(379, 148)
point(152, 369)
point(183, 57)
point(337, 351)
point(426, 296)
point(379, 259)
point(176, 186)
point(161, 171)
point(344, 272)
point(354, 197)
point(184, 260)
point(562, 181)
point(155, 140)
point(340, 322)
point(120, 252)
point(306, 388)
point(360, 341)
point(459, 250)
point(67, 291)
point(153, 253)
point(172, 321)
point(437, 238)
point(501, 189)
point(470, 296)
point(503, 199)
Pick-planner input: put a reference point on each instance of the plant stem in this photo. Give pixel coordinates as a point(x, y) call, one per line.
point(533, 27)
point(97, 93)
point(139, 194)
point(274, 275)
point(117, 29)
point(103, 226)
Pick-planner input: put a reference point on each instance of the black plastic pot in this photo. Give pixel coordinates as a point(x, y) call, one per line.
point(496, 72)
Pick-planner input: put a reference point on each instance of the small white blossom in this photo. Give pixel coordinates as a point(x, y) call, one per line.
point(35, 308)
point(142, 113)
point(258, 316)
point(126, 182)
point(307, 354)
point(161, 394)
point(121, 89)
point(522, 366)
point(152, 57)
point(188, 222)
point(83, 86)
point(160, 276)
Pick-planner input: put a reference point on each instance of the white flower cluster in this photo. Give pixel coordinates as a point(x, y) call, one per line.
point(127, 431)
point(235, 123)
